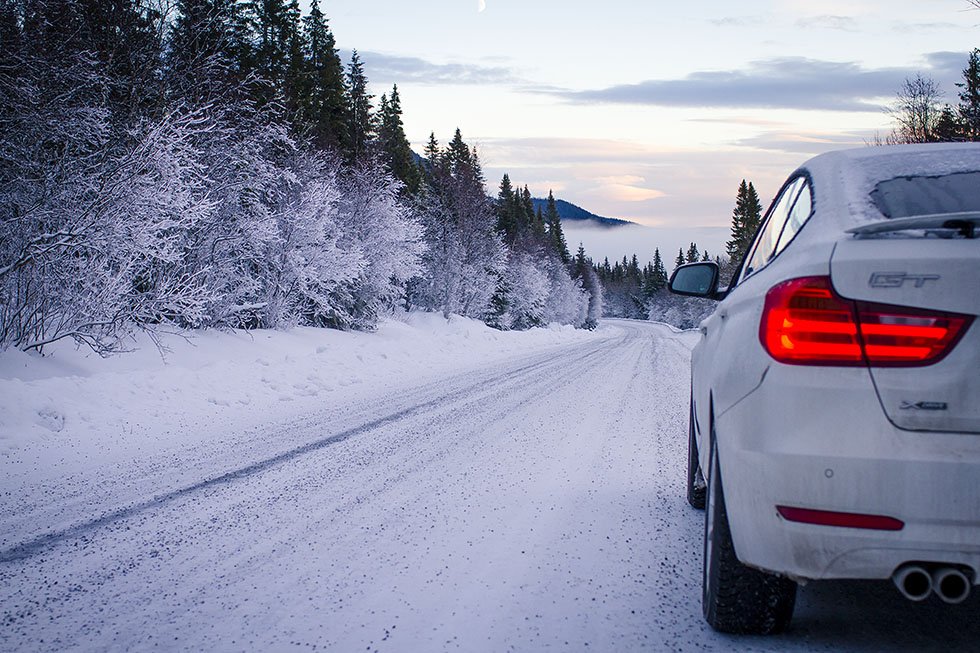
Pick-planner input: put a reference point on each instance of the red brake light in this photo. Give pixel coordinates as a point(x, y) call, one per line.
point(904, 336)
point(805, 322)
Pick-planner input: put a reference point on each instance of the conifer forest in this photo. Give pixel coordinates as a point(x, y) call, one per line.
point(216, 164)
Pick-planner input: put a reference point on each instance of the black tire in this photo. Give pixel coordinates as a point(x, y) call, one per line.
point(697, 489)
point(736, 598)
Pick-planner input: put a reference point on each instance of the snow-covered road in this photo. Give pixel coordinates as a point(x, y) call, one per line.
point(533, 503)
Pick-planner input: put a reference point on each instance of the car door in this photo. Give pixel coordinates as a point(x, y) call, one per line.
point(730, 361)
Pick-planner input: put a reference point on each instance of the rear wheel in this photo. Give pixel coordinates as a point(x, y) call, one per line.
point(696, 487)
point(736, 598)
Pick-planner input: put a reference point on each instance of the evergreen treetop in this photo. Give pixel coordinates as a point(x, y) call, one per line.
point(969, 108)
point(745, 221)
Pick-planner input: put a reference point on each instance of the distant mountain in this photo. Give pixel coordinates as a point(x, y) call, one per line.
point(576, 216)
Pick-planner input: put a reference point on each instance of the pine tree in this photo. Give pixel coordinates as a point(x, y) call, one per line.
point(297, 75)
point(360, 117)
point(680, 260)
point(555, 233)
point(203, 52)
point(527, 209)
point(538, 227)
point(693, 255)
point(395, 148)
point(969, 108)
point(506, 219)
point(948, 128)
point(328, 101)
point(745, 221)
point(270, 23)
point(659, 272)
point(460, 158)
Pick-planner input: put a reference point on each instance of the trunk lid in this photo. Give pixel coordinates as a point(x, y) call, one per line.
point(921, 271)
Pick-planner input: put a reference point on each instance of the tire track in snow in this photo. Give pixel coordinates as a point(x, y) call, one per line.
point(32, 547)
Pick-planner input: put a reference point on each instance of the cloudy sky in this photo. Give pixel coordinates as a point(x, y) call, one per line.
point(649, 110)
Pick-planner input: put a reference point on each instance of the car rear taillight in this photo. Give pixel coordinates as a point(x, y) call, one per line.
point(805, 322)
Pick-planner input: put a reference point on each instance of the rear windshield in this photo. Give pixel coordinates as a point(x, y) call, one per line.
point(905, 197)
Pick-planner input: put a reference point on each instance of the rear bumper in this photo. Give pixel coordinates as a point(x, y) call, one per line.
point(817, 438)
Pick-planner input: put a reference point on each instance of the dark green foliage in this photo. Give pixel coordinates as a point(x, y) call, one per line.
point(654, 276)
point(745, 221)
point(395, 149)
point(680, 260)
point(969, 108)
point(360, 117)
point(948, 128)
point(206, 48)
point(693, 255)
point(507, 221)
point(327, 105)
point(555, 233)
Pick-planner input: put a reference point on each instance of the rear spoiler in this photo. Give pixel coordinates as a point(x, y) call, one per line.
point(944, 225)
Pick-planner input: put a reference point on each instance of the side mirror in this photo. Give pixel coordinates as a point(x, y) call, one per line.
point(695, 280)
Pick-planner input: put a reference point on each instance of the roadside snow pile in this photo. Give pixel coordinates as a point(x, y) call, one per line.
point(74, 400)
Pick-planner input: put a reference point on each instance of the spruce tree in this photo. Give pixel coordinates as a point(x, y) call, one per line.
point(555, 233)
point(328, 101)
point(360, 118)
point(948, 128)
point(969, 108)
point(268, 21)
point(506, 219)
point(745, 221)
point(538, 228)
point(693, 255)
point(203, 51)
point(395, 148)
point(659, 271)
point(680, 260)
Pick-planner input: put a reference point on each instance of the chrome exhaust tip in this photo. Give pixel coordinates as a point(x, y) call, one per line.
point(950, 584)
point(914, 582)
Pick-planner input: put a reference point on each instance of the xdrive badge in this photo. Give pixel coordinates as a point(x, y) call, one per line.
point(924, 405)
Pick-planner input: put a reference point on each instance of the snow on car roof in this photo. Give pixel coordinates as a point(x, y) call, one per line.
point(846, 178)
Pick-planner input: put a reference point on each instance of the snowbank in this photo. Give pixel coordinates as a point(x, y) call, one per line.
point(71, 398)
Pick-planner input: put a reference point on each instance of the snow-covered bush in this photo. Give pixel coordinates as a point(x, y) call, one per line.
point(386, 235)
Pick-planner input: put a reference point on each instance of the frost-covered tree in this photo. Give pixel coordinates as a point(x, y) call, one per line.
point(466, 255)
point(386, 234)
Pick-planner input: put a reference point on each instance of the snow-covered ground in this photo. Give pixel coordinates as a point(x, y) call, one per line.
point(433, 486)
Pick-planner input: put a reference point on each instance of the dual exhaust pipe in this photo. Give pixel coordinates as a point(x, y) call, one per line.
point(916, 583)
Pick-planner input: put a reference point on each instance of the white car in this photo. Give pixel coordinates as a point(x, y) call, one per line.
point(835, 402)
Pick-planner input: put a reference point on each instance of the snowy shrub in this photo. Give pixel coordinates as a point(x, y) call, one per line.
point(527, 289)
point(93, 242)
point(387, 236)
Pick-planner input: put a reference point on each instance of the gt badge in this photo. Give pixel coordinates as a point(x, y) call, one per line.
point(899, 279)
